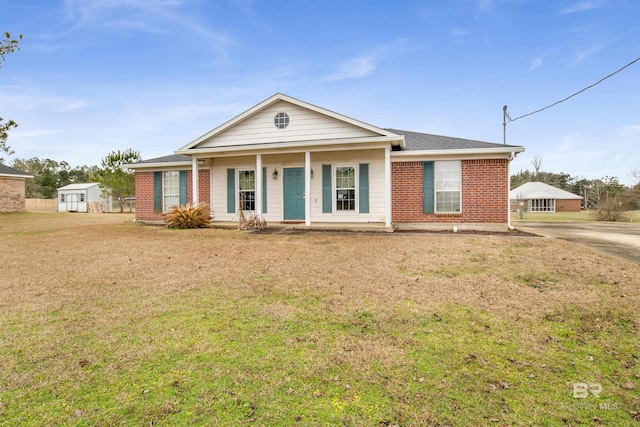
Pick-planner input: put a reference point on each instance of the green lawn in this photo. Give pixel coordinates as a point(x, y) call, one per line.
point(107, 322)
point(631, 216)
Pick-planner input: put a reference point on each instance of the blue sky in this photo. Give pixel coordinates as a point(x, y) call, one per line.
point(94, 76)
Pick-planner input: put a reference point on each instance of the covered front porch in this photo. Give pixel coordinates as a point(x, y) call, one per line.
point(315, 187)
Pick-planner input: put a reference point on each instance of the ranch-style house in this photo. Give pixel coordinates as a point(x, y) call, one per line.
point(288, 161)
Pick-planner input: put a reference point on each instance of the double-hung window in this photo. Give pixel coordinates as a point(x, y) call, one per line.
point(345, 188)
point(170, 189)
point(448, 186)
point(247, 190)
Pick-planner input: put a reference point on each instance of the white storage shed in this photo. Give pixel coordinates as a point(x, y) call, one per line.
point(85, 197)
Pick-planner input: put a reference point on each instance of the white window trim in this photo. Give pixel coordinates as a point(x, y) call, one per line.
point(435, 188)
point(166, 208)
point(538, 208)
point(238, 170)
point(334, 189)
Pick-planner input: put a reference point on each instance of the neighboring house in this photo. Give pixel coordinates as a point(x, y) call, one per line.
point(85, 197)
point(286, 160)
point(12, 183)
point(541, 197)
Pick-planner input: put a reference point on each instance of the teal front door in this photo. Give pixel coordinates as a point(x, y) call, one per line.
point(293, 194)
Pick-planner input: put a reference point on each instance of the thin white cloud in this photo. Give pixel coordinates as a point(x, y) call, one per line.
point(536, 63)
point(364, 65)
point(35, 133)
point(73, 105)
point(354, 68)
point(485, 6)
point(581, 55)
point(581, 6)
point(37, 101)
point(459, 35)
point(148, 16)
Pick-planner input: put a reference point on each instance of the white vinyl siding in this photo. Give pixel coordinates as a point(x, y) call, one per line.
point(375, 160)
point(304, 125)
point(275, 207)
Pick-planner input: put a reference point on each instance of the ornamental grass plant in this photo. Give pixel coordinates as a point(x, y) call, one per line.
point(189, 216)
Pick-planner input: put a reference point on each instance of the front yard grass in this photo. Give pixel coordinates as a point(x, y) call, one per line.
point(107, 322)
point(582, 216)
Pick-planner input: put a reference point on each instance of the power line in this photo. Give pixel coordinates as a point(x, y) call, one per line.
point(570, 96)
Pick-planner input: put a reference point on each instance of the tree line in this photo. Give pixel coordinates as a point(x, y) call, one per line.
point(49, 175)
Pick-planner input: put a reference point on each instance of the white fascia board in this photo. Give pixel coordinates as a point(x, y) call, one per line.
point(159, 165)
point(229, 123)
point(280, 147)
point(281, 97)
point(475, 153)
point(9, 175)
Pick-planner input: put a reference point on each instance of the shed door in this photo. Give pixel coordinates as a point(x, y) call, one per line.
point(72, 202)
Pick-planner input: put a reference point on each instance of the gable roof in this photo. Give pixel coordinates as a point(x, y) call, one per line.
point(79, 186)
point(14, 173)
point(380, 133)
point(246, 133)
point(540, 190)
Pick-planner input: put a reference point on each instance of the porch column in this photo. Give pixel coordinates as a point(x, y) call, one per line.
point(307, 188)
point(194, 181)
point(387, 186)
point(258, 188)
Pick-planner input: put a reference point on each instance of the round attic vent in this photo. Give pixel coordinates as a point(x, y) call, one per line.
point(281, 120)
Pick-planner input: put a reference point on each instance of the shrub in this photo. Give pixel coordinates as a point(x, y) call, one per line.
point(251, 223)
point(610, 210)
point(189, 216)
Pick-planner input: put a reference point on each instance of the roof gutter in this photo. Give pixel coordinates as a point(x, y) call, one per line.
point(320, 145)
point(162, 165)
point(459, 151)
point(10, 175)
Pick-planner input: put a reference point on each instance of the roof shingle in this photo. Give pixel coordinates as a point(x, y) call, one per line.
point(426, 141)
point(6, 170)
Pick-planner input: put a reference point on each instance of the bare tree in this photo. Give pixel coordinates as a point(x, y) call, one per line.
point(537, 164)
point(522, 205)
point(635, 174)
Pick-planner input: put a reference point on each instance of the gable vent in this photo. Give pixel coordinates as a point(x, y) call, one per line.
point(281, 120)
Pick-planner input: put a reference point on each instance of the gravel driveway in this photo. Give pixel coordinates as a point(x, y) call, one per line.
point(618, 239)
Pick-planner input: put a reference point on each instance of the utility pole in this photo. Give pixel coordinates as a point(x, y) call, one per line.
point(504, 124)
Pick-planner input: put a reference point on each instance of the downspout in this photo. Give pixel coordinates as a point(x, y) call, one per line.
point(511, 157)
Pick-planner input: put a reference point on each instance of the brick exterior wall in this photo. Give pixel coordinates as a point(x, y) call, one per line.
point(145, 196)
point(485, 193)
point(11, 194)
point(568, 205)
